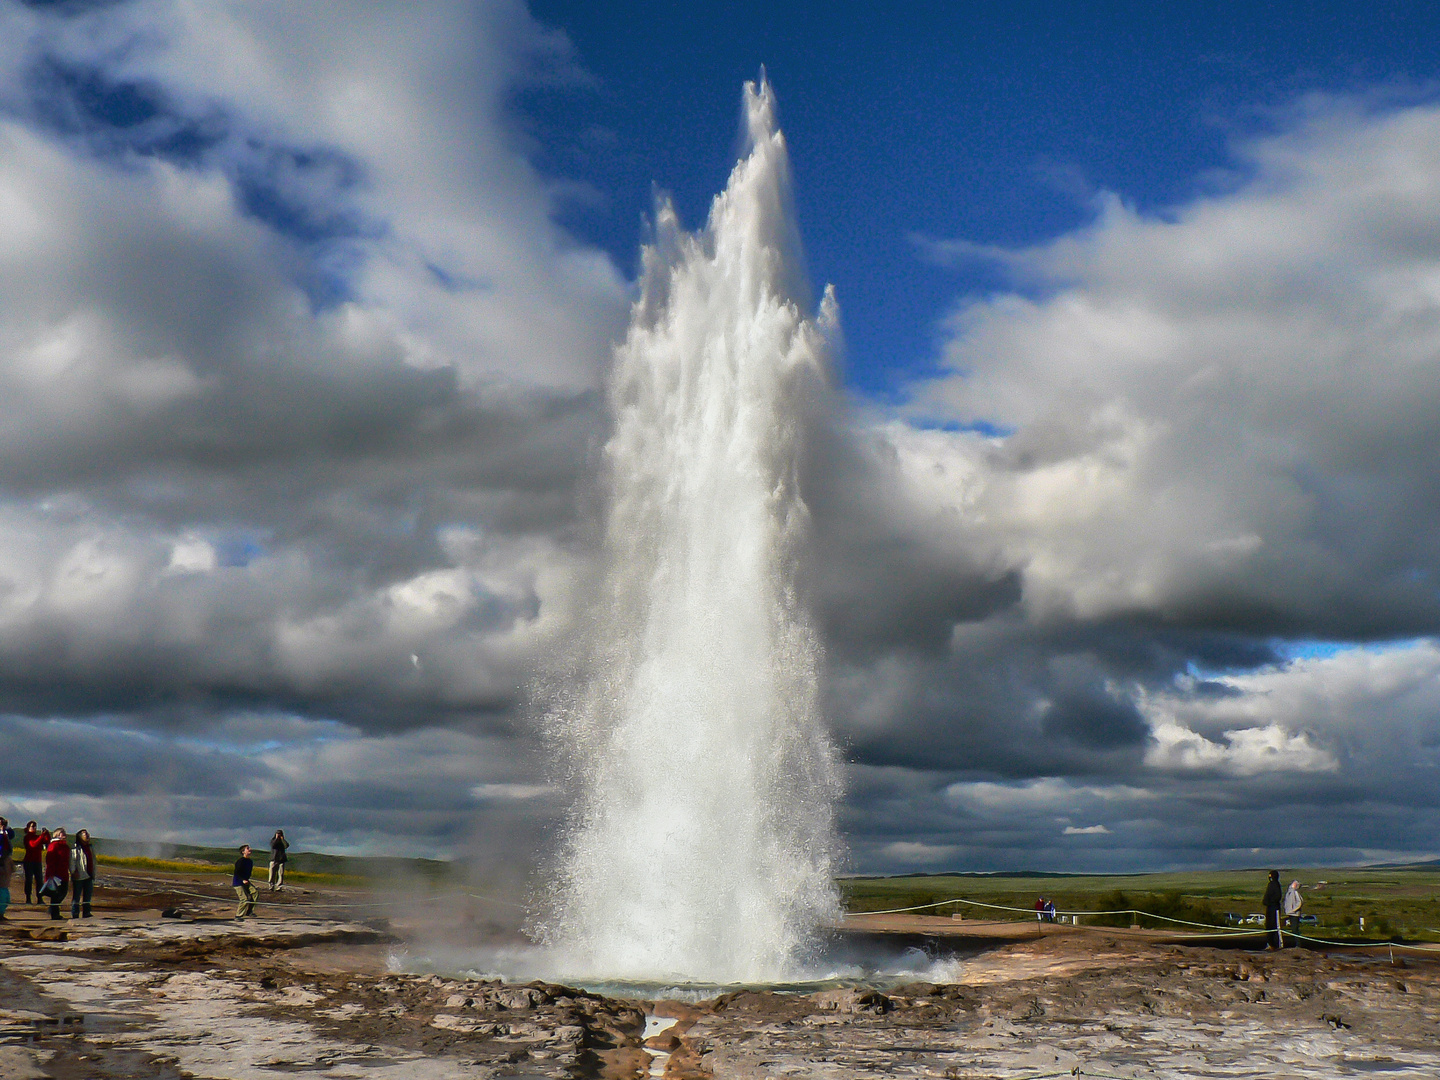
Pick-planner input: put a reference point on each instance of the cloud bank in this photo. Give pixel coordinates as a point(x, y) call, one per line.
point(298, 384)
point(1185, 442)
point(298, 408)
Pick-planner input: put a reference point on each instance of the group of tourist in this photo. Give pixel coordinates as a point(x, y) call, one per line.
point(1277, 903)
point(245, 891)
point(54, 866)
point(1280, 906)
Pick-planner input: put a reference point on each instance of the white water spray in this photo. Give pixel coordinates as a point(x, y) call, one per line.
point(702, 845)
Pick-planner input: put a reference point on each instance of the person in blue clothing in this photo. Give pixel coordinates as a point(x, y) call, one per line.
point(244, 891)
point(7, 865)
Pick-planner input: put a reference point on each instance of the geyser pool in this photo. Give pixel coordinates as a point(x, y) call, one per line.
point(702, 844)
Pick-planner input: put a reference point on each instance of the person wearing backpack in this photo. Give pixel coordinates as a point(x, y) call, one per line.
point(57, 872)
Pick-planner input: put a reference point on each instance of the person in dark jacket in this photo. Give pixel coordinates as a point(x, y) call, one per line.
point(32, 856)
point(1274, 900)
point(57, 872)
point(244, 891)
point(278, 847)
point(82, 875)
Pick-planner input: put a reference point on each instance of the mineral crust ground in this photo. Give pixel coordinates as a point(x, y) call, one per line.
point(306, 990)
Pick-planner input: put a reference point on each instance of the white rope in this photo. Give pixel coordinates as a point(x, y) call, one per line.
point(1225, 930)
point(172, 889)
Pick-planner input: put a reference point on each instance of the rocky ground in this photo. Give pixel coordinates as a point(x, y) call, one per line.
point(306, 991)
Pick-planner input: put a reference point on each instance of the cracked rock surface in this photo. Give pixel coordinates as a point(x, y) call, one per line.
point(145, 997)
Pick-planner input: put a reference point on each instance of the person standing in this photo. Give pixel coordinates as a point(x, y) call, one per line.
point(32, 860)
point(244, 891)
point(1293, 901)
point(1272, 912)
point(82, 875)
point(7, 868)
point(278, 847)
point(57, 872)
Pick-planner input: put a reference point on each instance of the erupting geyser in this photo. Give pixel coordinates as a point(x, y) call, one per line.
point(702, 841)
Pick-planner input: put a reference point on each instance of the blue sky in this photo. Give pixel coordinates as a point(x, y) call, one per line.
point(1130, 518)
point(997, 124)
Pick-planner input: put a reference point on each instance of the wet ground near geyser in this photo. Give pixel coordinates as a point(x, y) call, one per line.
point(300, 992)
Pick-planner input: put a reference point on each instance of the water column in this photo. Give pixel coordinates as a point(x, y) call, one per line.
point(702, 842)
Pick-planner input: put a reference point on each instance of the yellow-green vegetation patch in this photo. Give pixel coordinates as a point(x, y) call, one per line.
point(196, 866)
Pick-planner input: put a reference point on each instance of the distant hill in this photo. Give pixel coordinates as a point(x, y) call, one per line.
point(311, 862)
point(980, 875)
point(1427, 865)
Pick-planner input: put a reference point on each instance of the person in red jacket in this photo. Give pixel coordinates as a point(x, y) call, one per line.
point(57, 872)
point(33, 860)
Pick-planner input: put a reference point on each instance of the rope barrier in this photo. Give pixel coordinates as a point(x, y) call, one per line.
point(1223, 930)
point(1434, 949)
point(176, 891)
point(1031, 911)
point(170, 888)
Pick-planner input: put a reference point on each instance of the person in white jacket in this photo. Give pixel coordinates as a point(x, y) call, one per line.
point(82, 875)
point(1292, 906)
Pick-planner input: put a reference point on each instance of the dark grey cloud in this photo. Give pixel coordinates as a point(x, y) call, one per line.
point(1179, 445)
point(299, 405)
point(221, 488)
point(428, 792)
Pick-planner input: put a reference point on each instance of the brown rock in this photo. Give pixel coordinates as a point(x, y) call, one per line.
point(852, 1000)
point(623, 1063)
point(665, 1042)
point(683, 1011)
point(687, 1063)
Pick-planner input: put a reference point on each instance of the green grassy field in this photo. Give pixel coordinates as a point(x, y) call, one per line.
point(1401, 903)
point(313, 867)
